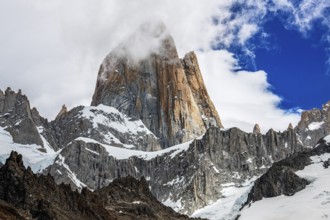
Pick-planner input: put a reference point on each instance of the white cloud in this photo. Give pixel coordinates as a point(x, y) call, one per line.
point(52, 49)
point(242, 98)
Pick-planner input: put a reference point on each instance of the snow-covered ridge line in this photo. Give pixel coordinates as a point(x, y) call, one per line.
point(111, 117)
point(122, 153)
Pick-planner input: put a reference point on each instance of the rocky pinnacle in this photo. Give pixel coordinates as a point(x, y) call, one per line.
point(166, 93)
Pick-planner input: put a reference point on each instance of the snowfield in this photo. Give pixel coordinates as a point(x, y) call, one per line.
point(312, 203)
point(111, 117)
point(228, 206)
point(32, 157)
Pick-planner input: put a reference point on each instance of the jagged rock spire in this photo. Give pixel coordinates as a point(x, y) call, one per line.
point(290, 127)
point(256, 129)
point(63, 111)
point(166, 93)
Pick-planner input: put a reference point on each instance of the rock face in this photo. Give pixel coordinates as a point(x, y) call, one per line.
point(314, 125)
point(106, 125)
point(16, 117)
point(24, 124)
point(24, 195)
point(190, 177)
point(280, 178)
point(256, 129)
point(166, 93)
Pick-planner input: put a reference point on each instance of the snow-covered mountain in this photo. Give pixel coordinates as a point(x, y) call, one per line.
point(151, 117)
point(100, 144)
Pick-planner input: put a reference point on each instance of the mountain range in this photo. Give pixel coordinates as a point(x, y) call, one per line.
point(152, 137)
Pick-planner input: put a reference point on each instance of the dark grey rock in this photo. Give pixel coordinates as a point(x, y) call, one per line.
point(280, 178)
point(24, 195)
point(17, 118)
point(314, 125)
point(193, 177)
point(84, 122)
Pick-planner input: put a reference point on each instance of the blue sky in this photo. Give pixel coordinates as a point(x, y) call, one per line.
point(261, 60)
point(296, 64)
point(295, 58)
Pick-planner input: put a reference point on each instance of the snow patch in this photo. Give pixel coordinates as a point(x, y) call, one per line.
point(111, 117)
point(122, 153)
point(175, 181)
point(73, 177)
point(327, 139)
point(94, 152)
point(136, 202)
point(227, 207)
point(32, 156)
point(315, 125)
point(175, 205)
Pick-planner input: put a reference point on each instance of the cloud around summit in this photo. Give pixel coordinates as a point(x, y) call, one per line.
point(52, 50)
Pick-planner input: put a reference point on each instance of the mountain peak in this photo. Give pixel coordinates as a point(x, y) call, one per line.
point(256, 129)
point(166, 93)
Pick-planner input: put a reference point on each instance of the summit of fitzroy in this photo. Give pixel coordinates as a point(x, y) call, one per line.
point(145, 79)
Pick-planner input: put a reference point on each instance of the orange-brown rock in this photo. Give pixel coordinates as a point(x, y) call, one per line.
point(167, 94)
point(199, 91)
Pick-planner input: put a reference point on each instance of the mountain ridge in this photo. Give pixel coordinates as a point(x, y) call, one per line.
point(28, 196)
point(151, 118)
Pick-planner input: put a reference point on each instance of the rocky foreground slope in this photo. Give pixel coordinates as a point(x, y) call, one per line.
point(297, 185)
point(24, 195)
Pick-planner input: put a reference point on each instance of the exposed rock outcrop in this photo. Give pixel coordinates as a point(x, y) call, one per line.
point(191, 177)
point(196, 83)
point(314, 125)
point(24, 124)
point(24, 195)
point(167, 94)
point(280, 178)
point(256, 129)
point(16, 117)
point(104, 124)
